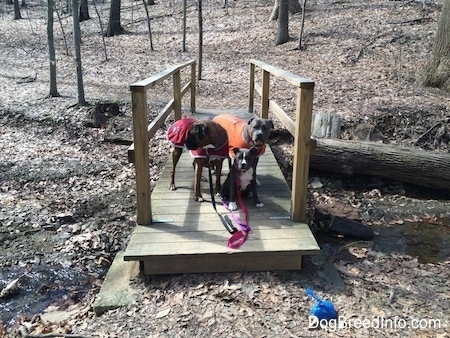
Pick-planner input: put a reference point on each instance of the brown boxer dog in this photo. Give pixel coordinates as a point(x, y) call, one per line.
point(208, 145)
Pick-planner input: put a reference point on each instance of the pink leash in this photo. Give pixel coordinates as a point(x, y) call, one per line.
point(239, 237)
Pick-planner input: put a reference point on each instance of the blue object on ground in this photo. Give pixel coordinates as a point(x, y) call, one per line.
point(324, 309)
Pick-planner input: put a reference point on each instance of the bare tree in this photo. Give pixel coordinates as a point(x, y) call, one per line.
point(51, 50)
point(294, 7)
point(149, 26)
point(114, 26)
point(200, 38)
point(302, 24)
point(62, 27)
point(437, 70)
point(101, 29)
point(183, 45)
point(84, 10)
point(283, 23)
point(17, 14)
point(77, 45)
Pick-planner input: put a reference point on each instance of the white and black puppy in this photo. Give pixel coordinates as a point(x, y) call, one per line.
point(242, 176)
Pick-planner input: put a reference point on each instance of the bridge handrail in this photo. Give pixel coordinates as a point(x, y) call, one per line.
point(300, 128)
point(138, 152)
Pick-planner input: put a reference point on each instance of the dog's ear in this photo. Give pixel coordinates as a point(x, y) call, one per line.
point(250, 121)
point(235, 150)
point(253, 150)
point(271, 124)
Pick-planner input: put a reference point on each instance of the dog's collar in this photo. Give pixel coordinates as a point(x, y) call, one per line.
point(214, 147)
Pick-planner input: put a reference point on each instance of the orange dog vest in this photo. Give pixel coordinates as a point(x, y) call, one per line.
point(235, 130)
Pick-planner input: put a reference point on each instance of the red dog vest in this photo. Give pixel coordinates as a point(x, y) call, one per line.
point(177, 133)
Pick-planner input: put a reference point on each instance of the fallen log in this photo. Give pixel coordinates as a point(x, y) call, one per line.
point(420, 167)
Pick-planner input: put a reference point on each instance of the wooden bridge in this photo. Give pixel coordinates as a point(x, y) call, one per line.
point(175, 234)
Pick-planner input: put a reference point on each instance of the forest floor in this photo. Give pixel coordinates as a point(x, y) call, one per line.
point(67, 192)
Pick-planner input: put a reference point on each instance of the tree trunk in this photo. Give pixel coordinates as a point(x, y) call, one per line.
point(283, 23)
point(411, 165)
point(149, 26)
point(294, 7)
point(326, 125)
point(77, 46)
point(200, 39)
point(84, 11)
point(183, 44)
point(437, 70)
point(114, 26)
point(17, 15)
point(51, 50)
point(101, 29)
point(302, 25)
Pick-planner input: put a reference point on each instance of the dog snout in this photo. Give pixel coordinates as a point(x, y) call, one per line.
point(244, 166)
point(191, 143)
point(260, 136)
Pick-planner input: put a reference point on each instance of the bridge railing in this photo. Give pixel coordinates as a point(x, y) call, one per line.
point(300, 128)
point(138, 153)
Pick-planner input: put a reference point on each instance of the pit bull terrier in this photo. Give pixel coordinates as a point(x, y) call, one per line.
point(205, 139)
point(241, 134)
point(242, 176)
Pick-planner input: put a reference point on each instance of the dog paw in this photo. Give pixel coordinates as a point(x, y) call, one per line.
point(232, 206)
point(259, 205)
point(172, 187)
point(199, 199)
point(218, 194)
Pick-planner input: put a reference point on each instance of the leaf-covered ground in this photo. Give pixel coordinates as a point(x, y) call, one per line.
point(67, 198)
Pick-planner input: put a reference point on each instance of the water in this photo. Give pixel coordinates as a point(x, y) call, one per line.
point(40, 287)
point(429, 242)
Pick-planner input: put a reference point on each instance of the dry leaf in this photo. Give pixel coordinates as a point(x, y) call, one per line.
point(163, 313)
point(207, 314)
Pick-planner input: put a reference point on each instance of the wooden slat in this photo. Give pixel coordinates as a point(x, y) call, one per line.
point(206, 238)
point(151, 81)
point(251, 94)
point(288, 76)
point(223, 263)
point(139, 107)
point(302, 141)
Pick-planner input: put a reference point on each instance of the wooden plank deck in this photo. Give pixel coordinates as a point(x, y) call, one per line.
point(188, 237)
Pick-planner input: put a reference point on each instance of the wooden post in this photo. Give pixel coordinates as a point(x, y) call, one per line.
point(301, 152)
point(140, 138)
point(177, 95)
point(265, 94)
point(193, 87)
point(251, 94)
